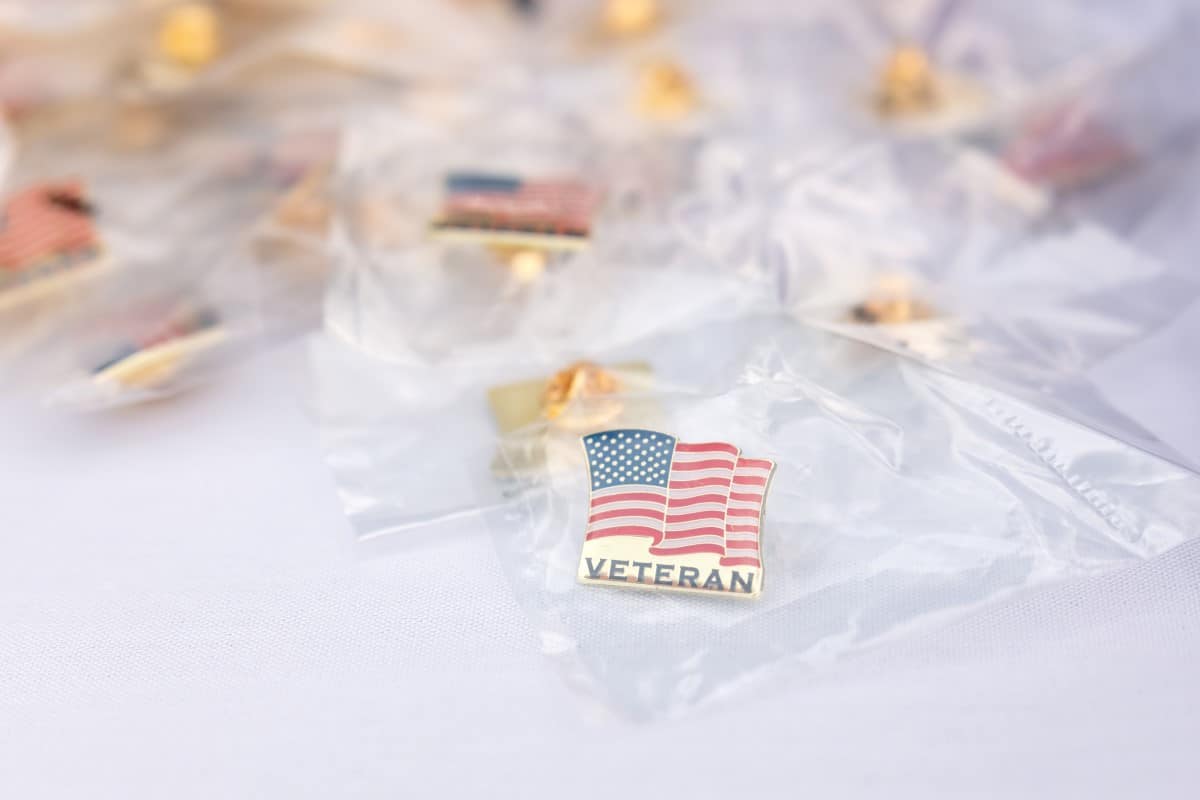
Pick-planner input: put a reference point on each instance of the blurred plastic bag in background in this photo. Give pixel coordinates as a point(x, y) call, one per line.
point(933, 252)
point(406, 292)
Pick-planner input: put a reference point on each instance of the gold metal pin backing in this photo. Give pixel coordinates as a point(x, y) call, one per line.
point(891, 303)
point(908, 83)
point(582, 380)
point(627, 18)
point(190, 35)
point(665, 91)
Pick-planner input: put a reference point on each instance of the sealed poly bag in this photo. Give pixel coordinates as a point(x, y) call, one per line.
point(134, 78)
point(373, 414)
point(914, 69)
point(1097, 149)
point(157, 329)
point(899, 496)
point(525, 237)
point(934, 253)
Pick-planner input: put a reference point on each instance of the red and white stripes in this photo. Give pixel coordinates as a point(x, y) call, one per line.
point(743, 515)
point(42, 222)
point(701, 475)
point(685, 498)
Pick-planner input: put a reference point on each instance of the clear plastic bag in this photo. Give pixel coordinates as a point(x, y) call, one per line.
point(238, 232)
point(39, 18)
point(901, 496)
point(1170, 228)
point(373, 414)
point(934, 253)
point(1101, 149)
point(402, 294)
point(134, 76)
point(407, 41)
point(913, 69)
point(246, 265)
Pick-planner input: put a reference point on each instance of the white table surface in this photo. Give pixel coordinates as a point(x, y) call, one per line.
point(182, 615)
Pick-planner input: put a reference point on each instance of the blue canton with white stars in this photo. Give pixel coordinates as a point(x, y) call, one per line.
point(629, 457)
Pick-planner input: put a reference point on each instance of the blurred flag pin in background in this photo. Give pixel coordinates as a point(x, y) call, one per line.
point(671, 515)
point(156, 359)
point(48, 242)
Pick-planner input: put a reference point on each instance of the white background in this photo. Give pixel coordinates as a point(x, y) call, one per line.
point(182, 614)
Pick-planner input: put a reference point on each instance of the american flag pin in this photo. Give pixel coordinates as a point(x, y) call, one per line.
point(671, 515)
point(1067, 148)
point(48, 242)
point(151, 361)
point(508, 211)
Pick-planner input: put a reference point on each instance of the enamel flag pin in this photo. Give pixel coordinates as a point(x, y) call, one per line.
point(1067, 148)
point(509, 211)
point(624, 19)
point(48, 242)
point(672, 515)
point(150, 362)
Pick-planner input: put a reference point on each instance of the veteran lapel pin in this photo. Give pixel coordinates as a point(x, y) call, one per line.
point(508, 211)
point(151, 361)
point(672, 515)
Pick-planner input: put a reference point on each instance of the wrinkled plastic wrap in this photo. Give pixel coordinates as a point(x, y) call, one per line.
point(1103, 149)
point(145, 73)
point(901, 497)
point(936, 254)
point(426, 328)
point(181, 273)
point(401, 295)
point(373, 414)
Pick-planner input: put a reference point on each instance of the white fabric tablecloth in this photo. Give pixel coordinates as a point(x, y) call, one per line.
point(182, 614)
